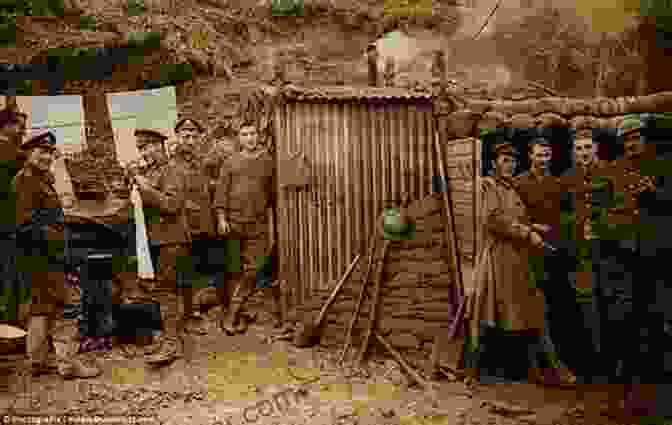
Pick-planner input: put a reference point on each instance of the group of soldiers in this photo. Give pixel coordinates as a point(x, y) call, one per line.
point(205, 214)
point(526, 291)
point(209, 211)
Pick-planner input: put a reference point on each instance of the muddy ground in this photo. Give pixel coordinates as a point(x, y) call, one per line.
point(253, 378)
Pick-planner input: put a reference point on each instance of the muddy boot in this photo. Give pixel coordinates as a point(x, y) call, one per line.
point(195, 325)
point(168, 352)
point(229, 320)
point(75, 368)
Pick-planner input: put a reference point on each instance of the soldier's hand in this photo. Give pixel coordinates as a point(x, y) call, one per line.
point(536, 240)
point(141, 181)
point(541, 228)
point(224, 227)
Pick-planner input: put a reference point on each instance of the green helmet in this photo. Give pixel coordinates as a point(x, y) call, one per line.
point(631, 124)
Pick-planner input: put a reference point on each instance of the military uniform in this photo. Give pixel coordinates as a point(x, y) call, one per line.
point(542, 196)
point(12, 160)
point(624, 291)
point(246, 190)
point(40, 266)
point(213, 250)
point(166, 229)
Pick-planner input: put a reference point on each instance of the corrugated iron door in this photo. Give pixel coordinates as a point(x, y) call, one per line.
point(361, 155)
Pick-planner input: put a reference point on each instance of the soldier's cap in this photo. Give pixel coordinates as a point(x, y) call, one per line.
point(631, 124)
point(153, 136)
point(188, 121)
point(541, 141)
point(10, 116)
point(40, 139)
point(504, 149)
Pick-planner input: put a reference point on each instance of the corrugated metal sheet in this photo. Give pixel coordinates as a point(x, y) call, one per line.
point(363, 155)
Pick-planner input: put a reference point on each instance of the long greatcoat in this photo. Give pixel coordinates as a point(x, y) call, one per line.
point(502, 293)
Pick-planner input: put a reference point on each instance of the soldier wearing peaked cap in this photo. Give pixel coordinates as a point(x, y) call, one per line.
point(626, 304)
point(40, 226)
point(504, 298)
point(188, 124)
point(188, 132)
point(161, 190)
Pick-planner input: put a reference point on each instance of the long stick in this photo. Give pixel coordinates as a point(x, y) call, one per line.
point(450, 225)
point(362, 292)
point(408, 368)
point(374, 303)
point(334, 293)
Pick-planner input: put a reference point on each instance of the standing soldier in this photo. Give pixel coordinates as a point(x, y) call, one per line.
point(199, 220)
point(153, 158)
point(40, 227)
point(161, 190)
point(504, 300)
point(218, 246)
point(629, 323)
point(12, 158)
point(541, 193)
point(244, 200)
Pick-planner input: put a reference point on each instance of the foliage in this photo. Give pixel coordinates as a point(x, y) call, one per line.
point(661, 10)
point(87, 23)
point(562, 51)
point(287, 7)
point(135, 7)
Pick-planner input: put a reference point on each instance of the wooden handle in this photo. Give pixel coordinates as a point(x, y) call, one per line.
point(362, 293)
point(450, 229)
point(374, 304)
point(334, 293)
point(403, 363)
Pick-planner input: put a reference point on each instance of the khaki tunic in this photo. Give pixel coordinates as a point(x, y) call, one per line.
point(502, 293)
point(35, 190)
point(195, 184)
point(246, 188)
point(541, 196)
point(165, 198)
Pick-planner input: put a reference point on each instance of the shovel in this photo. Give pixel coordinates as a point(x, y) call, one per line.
point(309, 334)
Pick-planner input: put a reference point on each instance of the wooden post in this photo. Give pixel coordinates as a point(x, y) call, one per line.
point(439, 66)
point(388, 74)
point(372, 58)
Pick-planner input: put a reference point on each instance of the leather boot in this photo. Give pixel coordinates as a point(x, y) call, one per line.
point(229, 320)
point(168, 352)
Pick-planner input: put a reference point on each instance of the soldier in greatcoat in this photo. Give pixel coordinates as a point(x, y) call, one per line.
point(244, 201)
point(39, 238)
point(161, 190)
point(503, 297)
